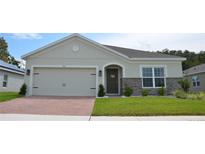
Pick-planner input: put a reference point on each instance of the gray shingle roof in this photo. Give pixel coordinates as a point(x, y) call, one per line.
point(133, 53)
point(10, 67)
point(195, 70)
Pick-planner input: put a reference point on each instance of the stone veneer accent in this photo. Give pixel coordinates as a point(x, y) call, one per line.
point(136, 85)
point(172, 85)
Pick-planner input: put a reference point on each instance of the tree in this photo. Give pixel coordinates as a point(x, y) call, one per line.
point(192, 58)
point(13, 61)
point(4, 54)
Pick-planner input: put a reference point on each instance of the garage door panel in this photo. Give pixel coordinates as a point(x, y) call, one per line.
point(64, 82)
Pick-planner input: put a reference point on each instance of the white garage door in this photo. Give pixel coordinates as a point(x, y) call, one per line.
point(64, 81)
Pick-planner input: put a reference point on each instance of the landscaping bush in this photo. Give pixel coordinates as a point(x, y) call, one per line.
point(194, 96)
point(161, 91)
point(200, 95)
point(191, 96)
point(23, 90)
point(145, 92)
point(101, 92)
point(185, 85)
point(180, 94)
point(128, 91)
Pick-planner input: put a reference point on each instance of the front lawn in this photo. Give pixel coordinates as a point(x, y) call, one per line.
point(147, 106)
point(5, 96)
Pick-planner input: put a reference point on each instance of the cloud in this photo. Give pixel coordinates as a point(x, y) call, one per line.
point(144, 45)
point(27, 36)
point(157, 41)
point(127, 40)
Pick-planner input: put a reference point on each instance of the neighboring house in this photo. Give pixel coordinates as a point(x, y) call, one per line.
point(75, 66)
point(196, 77)
point(11, 77)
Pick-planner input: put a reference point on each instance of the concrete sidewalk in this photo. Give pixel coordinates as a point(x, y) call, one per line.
point(32, 117)
point(149, 118)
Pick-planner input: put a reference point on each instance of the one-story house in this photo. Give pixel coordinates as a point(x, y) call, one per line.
point(196, 77)
point(11, 77)
point(76, 66)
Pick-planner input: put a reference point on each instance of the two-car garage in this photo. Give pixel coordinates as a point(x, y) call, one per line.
point(63, 81)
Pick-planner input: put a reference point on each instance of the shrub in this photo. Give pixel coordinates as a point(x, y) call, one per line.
point(200, 95)
point(145, 92)
point(192, 96)
point(161, 91)
point(185, 85)
point(180, 94)
point(23, 90)
point(128, 91)
point(196, 96)
point(101, 92)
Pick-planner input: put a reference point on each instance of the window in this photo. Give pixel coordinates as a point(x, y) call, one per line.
point(159, 77)
point(147, 77)
point(5, 80)
point(153, 77)
point(195, 81)
point(147, 82)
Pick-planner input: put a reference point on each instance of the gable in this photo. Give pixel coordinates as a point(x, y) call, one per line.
point(69, 38)
point(75, 48)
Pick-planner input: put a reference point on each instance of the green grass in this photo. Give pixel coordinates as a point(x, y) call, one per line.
point(5, 96)
point(147, 106)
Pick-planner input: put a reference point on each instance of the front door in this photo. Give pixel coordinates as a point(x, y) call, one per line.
point(112, 81)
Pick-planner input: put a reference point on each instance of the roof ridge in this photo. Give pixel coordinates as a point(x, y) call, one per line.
point(126, 48)
point(130, 50)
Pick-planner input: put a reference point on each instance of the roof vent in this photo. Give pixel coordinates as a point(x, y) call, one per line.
point(76, 48)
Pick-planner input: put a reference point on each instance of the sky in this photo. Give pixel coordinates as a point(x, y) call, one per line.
point(22, 43)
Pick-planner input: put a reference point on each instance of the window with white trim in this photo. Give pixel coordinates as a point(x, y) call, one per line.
point(153, 77)
point(147, 77)
point(195, 81)
point(5, 80)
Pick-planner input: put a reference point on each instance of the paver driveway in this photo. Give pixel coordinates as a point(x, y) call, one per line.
point(80, 106)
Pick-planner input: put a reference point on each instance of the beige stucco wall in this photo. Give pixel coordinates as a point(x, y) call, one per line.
point(202, 82)
point(15, 81)
point(88, 54)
